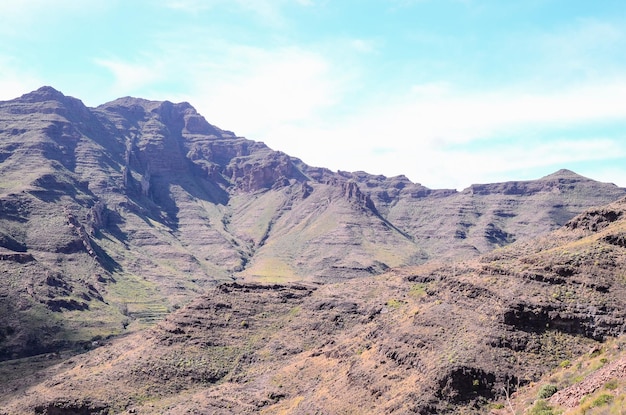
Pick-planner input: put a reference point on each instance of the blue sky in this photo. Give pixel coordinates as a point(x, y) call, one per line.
point(447, 92)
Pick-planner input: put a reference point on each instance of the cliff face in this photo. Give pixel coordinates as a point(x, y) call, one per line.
point(116, 214)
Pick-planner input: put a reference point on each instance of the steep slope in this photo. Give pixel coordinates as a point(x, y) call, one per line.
point(592, 384)
point(110, 217)
point(430, 339)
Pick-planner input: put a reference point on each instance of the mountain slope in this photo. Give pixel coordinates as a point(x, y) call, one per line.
point(113, 216)
point(594, 383)
point(429, 339)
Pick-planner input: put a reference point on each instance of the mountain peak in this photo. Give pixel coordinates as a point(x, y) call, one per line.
point(55, 101)
point(565, 174)
point(45, 93)
point(129, 102)
point(194, 123)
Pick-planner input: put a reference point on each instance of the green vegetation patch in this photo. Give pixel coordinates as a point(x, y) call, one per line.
point(541, 407)
point(546, 391)
point(418, 290)
point(395, 304)
point(611, 384)
point(602, 400)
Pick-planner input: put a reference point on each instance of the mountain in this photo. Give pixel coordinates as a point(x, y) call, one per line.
point(112, 217)
point(428, 339)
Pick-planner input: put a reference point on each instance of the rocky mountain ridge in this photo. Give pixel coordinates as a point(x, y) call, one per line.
point(113, 216)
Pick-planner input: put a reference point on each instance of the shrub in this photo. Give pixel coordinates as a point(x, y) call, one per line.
point(417, 290)
point(611, 384)
point(394, 304)
point(603, 399)
point(547, 391)
point(541, 408)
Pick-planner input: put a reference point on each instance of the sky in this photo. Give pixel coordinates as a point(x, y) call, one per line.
point(446, 92)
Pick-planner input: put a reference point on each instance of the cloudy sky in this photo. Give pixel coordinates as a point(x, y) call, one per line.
point(447, 92)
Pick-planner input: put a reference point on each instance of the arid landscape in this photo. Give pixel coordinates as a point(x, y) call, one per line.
point(153, 263)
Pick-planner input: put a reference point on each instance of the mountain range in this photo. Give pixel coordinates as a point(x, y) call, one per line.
point(251, 281)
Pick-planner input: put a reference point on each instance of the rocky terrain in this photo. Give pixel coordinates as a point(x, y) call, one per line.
point(430, 339)
point(592, 384)
point(111, 217)
point(151, 262)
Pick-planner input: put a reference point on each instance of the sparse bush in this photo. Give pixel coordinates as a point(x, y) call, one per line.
point(546, 391)
point(541, 408)
point(417, 290)
point(394, 304)
point(565, 364)
point(603, 399)
point(611, 384)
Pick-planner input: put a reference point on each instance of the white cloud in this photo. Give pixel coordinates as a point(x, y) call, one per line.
point(442, 137)
point(461, 117)
point(610, 174)
point(15, 80)
point(535, 154)
point(132, 77)
point(269, 88)
point(535, 159)
point(248, 89)
point(434, 113)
